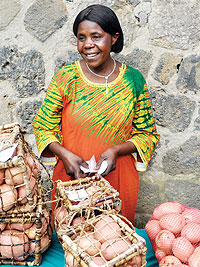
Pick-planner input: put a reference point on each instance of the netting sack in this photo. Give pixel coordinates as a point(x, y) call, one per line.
point(174, 232)
point(106, 240)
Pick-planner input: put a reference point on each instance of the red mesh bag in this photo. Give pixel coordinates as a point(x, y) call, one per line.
point(174, 232)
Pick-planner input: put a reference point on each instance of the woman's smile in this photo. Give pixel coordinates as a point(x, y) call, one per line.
point(94, 45)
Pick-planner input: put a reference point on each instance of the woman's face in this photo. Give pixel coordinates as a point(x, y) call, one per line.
point(94, 44)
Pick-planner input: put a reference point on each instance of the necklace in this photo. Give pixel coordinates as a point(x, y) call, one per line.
point(102, 76)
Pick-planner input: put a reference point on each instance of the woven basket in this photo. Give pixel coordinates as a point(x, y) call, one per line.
point(19, 174)
point(135, 245)
point(95, 194)
point(29, 237)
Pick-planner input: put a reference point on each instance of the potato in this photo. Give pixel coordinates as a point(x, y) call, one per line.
point(78, 220)
point(22, 192)
point(114, 247)
point(182, 249)
point(191, 215)
point(33, 163)
point(61, 215)
point(19, 226)
point(106, 228)
point(8, 197)
point(191, 231)
point(172, 222)
point(2, 176)
point(89, 244)
point(194, 259)
point(14, 244)
point(136, 261)
point(99, 261)
point(15, 175)
point(164, 241)
point(167, 207)
point(70, 261)
point(152, 229)
point(31, 232)
point(159, 254)
point(2, 227)
point(170, 261)
point(44, 243)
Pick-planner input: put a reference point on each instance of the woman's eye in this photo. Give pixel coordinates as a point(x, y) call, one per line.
point(81, 38)
point(96, 37)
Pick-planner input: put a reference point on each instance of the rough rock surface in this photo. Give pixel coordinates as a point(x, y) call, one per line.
point(189, 75)
point(184, 159)
point(25, 70)
point(172, 112)
point(175, 23)
point(8, 11)
point(44, 17)
point(166, 68)
point(138, 59)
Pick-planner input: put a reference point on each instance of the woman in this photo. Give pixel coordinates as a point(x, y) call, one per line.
point(98, 106)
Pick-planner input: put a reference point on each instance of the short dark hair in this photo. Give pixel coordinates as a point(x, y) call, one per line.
point(106, 19)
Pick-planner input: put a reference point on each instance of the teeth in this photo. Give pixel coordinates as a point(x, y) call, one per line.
point(91, 55)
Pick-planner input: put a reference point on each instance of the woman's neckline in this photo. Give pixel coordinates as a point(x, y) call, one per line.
point(110, 84)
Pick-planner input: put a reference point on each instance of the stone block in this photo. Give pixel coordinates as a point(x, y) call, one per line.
point(138, 59)
point(197, 122)
point(134, 2)
point(8, 11)
point(172, 112)
point(44, 17)
point(71, 57)
point(25, 113)
point(141, 220)
point(166, 67)
point(186, 192)
point(184, 159)
point(142, 12)
point(189, 75)
point(25, 70)
point(148, 197)
point(175, 24)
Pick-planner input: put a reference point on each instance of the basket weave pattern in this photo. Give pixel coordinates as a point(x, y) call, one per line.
point(81, 205)
point(25, 222)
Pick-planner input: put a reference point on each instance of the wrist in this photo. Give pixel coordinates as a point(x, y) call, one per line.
point(57, 149)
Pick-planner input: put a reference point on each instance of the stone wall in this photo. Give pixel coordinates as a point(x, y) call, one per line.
point(162, 40)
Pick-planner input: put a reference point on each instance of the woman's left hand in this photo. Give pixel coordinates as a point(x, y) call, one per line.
point(110, 155)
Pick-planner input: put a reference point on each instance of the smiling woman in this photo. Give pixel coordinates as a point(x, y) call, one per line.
point(98, 106)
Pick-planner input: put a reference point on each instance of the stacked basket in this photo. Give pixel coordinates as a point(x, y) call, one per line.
point(25, 228)
point(89, 225)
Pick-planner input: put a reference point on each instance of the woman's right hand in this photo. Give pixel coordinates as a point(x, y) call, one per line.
point(71, 161)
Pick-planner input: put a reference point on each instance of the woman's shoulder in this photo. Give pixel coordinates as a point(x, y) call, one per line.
point(134, 73)
point(69, 70)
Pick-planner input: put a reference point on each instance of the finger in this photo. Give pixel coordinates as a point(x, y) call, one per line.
point(84, 164)
point(69, 172)
point(99, 163)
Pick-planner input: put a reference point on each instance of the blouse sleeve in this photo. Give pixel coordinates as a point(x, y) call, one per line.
point(46, 123)
point(144, 134)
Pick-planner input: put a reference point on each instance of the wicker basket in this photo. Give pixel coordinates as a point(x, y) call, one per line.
point(134, 252)
point(25, 236)
point(19, 172)
point(95, 195)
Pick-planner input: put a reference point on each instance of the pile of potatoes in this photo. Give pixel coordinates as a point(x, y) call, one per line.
point(174, 231)
point(103, 242)
point(18, 240)
point(12, 187)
